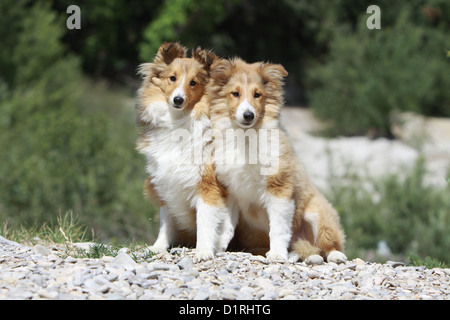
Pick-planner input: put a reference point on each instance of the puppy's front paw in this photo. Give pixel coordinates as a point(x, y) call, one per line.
point(336, 257)
point(277, 255)
point(203, 254)
point(314, 259)
point(293, 257)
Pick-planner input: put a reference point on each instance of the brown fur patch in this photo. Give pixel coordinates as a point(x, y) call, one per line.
point(168, 52)
point(150, 192)
point(211, 190)
point(304, 248)
point(205, 57)
point(280, 185)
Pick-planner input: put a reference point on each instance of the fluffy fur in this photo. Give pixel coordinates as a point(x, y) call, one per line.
point(281, 211)
point(173, 115)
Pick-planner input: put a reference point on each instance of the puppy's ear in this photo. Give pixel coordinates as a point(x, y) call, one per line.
point(145, 69)
point(221, 70)
point(169, 51)
point(205, 57)
point(273, 73)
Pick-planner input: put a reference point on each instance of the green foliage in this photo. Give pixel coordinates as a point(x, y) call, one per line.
point(372, 73)
point(66, 228)
point(428, 262)
point(411, 217)
point(111, 31)
point(138, 253)
point(61, 148)
point(177, 18)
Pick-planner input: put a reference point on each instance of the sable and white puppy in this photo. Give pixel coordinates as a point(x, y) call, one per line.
point(173, 116)
point(280, 209)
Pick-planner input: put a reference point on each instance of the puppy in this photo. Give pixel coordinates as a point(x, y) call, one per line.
point(173, 116)
point(280, 209)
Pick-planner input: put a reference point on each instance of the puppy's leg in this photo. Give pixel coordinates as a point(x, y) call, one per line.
point(209, 218)
point(165, 234)
point(212, 210)
point(229, 223)
point(166, 229)
point(281, 213)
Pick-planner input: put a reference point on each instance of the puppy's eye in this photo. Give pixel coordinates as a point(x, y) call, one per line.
point(235, 94)
point(193, 83)
point(173, 78)
point(256, 95)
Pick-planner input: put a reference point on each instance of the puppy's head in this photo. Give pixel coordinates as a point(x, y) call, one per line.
point(252, 92)
point(181, 79)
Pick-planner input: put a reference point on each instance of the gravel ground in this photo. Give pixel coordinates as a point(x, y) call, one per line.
point(48, 273)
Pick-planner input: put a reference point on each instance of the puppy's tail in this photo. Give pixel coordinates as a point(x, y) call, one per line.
point(321, 237)
point(303, 248)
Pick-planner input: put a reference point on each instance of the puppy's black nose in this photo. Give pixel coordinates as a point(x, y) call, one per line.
point(178, 101)
point(248, 116)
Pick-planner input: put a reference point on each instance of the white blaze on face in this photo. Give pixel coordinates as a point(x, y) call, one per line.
point(179, 91)
point(245, 107)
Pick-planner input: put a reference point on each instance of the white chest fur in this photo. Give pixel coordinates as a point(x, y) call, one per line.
point(241, 163)
point(174, 152)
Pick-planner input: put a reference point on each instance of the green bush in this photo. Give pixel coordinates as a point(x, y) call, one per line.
point(371, 73)
point(411, 217)
point(66, 144)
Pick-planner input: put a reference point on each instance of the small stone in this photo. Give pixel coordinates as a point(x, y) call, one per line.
point(124, 250)
point(351, 266)
point(70, 259)
point(193, 273)
point(9, 242)
point(312, 274)
point(44, 294)
point(395, 264)
point(176, 251)
point(107, 259)
point(40, 249)
point(285, 292)
point(260, 259)
point(123, 259)
point(86, 246)
point(91, 284)
point(112, 277)
point(202, 295)
point(52, 257)
point(160, 266)
point(228, 294)
point(103, 289)
point(270, 295)
point(185, 264)
point(263, 283)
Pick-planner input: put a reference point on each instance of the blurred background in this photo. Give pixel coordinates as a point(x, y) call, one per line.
point(67, 122)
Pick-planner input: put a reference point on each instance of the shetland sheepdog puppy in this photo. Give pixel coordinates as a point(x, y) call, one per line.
point(281, 212)
point(173, 115)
